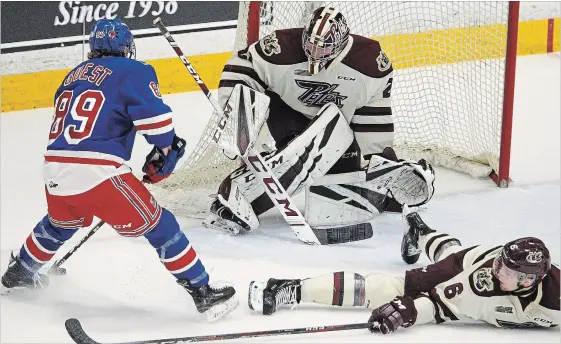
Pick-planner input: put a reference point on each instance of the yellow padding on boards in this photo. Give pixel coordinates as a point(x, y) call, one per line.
point(36, 90)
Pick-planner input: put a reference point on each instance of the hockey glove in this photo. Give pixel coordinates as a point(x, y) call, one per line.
point(159, 166)
point(389, 317)
point(409, 182)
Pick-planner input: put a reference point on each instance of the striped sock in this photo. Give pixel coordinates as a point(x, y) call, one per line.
point(43, 242)
point(176, 252)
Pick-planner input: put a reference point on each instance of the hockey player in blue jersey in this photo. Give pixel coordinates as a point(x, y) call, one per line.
point(99, 108)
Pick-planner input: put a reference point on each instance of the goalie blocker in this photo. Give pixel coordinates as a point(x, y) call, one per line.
point(339, 204)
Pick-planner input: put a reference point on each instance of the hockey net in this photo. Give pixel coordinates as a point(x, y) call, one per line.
point(452, 88)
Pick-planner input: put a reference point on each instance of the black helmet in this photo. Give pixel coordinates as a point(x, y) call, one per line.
point(527, 257)
point(325, 35)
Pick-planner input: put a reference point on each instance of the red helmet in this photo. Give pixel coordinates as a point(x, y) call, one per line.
point(527, 259)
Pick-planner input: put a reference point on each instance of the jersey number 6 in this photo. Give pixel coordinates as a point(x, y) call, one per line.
point(453, 290)
point(85, 110)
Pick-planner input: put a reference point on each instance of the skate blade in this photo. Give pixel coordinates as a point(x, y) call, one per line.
point(255, 296)
point(16, 291)
point(6, 291)
point(221, 310)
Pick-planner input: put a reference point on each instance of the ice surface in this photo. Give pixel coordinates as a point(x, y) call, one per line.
point(120, 291)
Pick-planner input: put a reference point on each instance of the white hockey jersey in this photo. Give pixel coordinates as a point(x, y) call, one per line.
point(462, 286)
point(358, 81)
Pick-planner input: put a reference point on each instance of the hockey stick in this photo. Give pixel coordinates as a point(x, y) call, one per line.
point(56, 269)
point(77, 333)
point(253, 159)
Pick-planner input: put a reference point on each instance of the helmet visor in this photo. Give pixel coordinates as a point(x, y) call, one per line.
point(511, 279)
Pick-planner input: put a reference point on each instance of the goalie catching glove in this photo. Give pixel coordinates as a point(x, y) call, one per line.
point(408, 182)
point(158, 165)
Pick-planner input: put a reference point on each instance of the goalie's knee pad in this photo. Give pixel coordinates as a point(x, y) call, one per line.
point(343, 199)
point(357, 197)
point(306, 158)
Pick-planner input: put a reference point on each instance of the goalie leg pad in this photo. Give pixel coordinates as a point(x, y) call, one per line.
point(343, 199)
point(303, 160)
point(245, 113)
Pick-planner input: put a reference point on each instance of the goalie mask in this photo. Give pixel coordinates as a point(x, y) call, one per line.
point(522, 263)
point(324, 37)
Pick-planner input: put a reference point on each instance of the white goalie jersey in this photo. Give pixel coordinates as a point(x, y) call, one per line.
point(462, 286)
point(358, 81)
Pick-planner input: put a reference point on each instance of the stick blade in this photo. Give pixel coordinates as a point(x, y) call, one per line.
point(339, 235)
point(76, 332)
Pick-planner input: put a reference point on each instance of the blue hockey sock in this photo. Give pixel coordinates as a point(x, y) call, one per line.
point(175, 251)
point(42, 244)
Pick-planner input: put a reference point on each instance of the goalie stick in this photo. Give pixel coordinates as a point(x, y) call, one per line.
point(77, 333)
point(251, 156)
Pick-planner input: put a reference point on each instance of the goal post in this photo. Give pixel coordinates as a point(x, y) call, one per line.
point(502, 178)
point(452, 96)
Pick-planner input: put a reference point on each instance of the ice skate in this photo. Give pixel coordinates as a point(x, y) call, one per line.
point(268, 296)
point(414, 226)
point(222, 218)
point(214, 301)
point(18, 277)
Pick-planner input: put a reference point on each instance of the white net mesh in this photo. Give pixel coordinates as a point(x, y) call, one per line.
point(447, 95)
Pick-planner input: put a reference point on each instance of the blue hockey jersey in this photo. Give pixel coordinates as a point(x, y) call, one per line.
point(98, 109)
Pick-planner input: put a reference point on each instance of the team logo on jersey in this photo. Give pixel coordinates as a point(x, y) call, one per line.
point(483, 280)
point(534, 257)
point(384, 62)
point(155, 89)
point(270, 45)
point(319, 93)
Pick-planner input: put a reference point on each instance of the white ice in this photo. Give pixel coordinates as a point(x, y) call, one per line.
point(121, 292)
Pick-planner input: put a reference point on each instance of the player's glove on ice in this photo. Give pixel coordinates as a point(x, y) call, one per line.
point(159, 166)
point(389, 317)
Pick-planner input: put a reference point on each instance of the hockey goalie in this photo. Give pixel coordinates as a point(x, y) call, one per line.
point(329, 106)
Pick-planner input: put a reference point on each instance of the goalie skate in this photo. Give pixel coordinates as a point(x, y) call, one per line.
point(221, 218)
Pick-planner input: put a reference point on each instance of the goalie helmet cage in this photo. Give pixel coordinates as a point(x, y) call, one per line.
point(452, 95)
